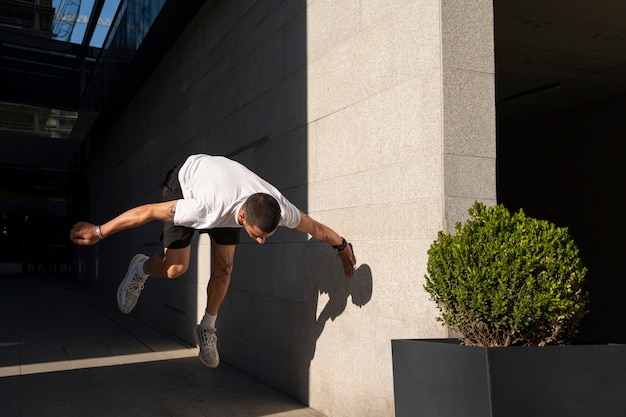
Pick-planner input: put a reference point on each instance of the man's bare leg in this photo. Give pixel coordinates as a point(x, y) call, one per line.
point(206, 334)
point(171, 264)
point(222, 257)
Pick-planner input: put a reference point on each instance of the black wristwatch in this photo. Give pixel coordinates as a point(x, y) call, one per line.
point(342, 246)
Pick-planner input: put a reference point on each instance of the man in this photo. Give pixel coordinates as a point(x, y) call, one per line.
point(218, 196)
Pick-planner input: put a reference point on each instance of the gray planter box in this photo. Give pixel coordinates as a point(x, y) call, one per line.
point(441, 378)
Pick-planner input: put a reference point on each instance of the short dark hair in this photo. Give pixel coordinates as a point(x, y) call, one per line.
point(262, 210)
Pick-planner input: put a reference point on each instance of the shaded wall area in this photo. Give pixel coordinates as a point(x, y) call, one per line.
point(568, 168)
point(233, 83)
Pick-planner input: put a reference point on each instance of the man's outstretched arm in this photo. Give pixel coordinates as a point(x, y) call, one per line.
point(324, 233)
point(83, 233)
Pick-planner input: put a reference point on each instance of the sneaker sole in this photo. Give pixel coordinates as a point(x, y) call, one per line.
point(126, 278)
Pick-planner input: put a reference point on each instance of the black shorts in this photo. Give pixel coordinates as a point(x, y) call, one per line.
point(178, 237)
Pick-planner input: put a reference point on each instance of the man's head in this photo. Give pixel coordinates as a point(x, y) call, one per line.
point(260, 215)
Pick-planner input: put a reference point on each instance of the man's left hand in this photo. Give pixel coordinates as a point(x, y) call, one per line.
point(348, 260)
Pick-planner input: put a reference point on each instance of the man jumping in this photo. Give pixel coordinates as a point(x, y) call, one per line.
point(214, 195)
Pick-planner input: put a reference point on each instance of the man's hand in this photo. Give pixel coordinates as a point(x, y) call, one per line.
point(324, 233)
point(348, 259)
point(84, 234)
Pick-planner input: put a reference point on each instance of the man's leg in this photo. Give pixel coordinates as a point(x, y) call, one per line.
point(222, 257)
point(171, 264)
point(206, 333)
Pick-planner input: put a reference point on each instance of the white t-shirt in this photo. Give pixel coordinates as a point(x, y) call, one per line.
point(214, 189)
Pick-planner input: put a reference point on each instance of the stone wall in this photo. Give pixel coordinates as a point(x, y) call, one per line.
point(375, 117)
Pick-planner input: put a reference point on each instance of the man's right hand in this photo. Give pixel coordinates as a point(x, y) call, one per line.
point(84, 234)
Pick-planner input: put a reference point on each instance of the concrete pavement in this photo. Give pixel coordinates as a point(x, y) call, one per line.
point(66, 352)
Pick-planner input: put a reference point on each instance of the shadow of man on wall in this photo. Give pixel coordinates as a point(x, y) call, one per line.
point(327, 291)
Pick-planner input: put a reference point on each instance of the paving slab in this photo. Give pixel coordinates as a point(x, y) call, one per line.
point(66, 352)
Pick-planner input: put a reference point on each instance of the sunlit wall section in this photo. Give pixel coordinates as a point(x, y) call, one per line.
point(401, 141)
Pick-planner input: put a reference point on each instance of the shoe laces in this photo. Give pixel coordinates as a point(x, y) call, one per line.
point(208, 338)
point(136, 284)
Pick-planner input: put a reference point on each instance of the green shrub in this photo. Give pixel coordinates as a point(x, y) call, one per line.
point(504, 280)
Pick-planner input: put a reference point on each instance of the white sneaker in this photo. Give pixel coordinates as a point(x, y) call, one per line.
point(207, 342)
point(130, 288)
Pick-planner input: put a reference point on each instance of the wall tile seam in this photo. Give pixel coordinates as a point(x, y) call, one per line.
point(268, 91)
point(425, 200)
point(338, 44)
point(442, 119)
point(242, 106)
point(459, 155)
point(270, 13)
point(223, 42)
point(311, 61)
point(362, 27)
point(356, 174)
point(365, 99)
point(248, 291)
point(228, 57)
point(243, 57)
point(399, 242)
point(243, 53)
point(175, 108)
point(450, 67)
point(285, 134)
point(420, 192)
point(99, 193)
point(483, 198)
